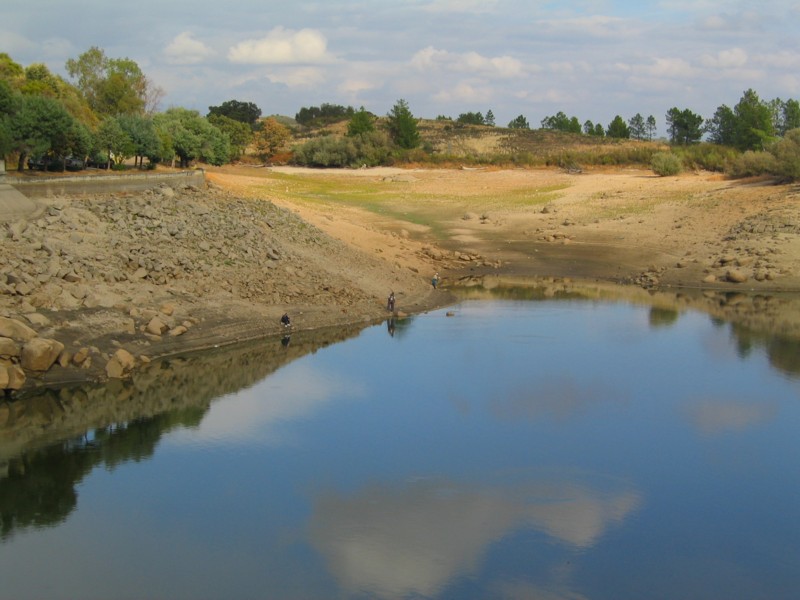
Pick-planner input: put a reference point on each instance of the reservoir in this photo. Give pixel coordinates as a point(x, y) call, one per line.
point(499, 448)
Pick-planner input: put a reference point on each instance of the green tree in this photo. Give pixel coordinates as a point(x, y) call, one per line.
point(790, 116)
point(111, 86)
point(721, 128)
point(753, 123)
point(637, 126)
point(361, 122)
point(684, 126)
point(588, 127)
point(239, 133)
point(40, 125)
point(618, 129)
point(244, 112)
point(471, 118)
point(142, 133)
point(787, 155)
point(489, 120)
point(651, 127)
point(403, 126)
point(519, 122)
point(112, 143)
point(599, 131)
point(325, 114)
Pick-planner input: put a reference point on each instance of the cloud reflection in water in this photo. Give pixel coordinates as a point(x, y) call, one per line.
point(395, 541)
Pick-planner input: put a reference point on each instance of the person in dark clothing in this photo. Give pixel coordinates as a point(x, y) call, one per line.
point(285, 321)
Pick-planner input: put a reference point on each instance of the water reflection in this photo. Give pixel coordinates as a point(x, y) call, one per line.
point(392, 541)
point(51, 439)
point(764, 321)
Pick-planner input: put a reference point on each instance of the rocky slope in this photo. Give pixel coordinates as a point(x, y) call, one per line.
point(104, 283)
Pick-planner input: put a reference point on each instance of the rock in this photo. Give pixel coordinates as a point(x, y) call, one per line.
point(120, 364)
point(156, 326)
point(12, 377)
point(38, 319)
point(9, 348)
point(80, 356)
point(709, 279)
point(179, 330)
point(39, 354)
point(735, 276)
point(168, 309)
point(15, 330)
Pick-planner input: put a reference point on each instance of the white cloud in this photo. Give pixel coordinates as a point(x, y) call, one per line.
point(304, 77)
point(463, 92)
point(185, 50)
point(734, 58)
point(502, 67)
point(461, 6)
point(283, 46)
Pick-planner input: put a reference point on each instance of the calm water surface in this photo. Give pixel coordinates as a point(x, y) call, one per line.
point(514, 450)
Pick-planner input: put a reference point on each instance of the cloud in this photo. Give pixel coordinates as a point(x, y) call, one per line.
point(463, 92)
point(185, 50)
point(461, 6)
point(302, 78)
point(502, 67)
point(734, 58)
point(283, 47)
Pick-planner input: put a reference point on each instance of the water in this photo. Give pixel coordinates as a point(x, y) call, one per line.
point(513, 450)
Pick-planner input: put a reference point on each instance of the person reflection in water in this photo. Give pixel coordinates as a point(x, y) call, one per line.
point(390, 326)
point(285, 340)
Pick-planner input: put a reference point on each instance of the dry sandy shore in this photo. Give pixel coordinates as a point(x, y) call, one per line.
point(220, 265)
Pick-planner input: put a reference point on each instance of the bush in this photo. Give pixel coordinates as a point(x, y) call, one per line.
point(665, 164)
point(752, 164)
point(786, 153)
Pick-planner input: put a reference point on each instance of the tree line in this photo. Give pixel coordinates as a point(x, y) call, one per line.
point(108, 114)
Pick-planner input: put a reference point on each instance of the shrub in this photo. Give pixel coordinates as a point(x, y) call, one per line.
point(752, 164)
point(665, 164)
point(786, 153)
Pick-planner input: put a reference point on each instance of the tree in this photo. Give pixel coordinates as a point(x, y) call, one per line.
point(403, 126)
point(471, 118)
point(637, 127)
point(360, 123)
point(561, 122)
point(239, 133)
point(112, 143)
point(588, 127)
point(244, 112)
point(618, 129)
point(142, 133)
point(111, 86)
point(753, 123)
point(721, 128)
point(40, 124)
point(325, 114)
point(519, 122)
point(270, 138)
point(790, 116)
point(651, 127)
point(684, 126)
point(489, 120)
point(188, 136)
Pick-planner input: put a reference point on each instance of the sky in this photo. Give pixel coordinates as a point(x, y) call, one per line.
point(593, 59)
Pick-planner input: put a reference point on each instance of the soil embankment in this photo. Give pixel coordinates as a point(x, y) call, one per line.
point(178, 267)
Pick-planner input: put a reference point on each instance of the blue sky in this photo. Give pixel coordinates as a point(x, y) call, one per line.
point(592, 59)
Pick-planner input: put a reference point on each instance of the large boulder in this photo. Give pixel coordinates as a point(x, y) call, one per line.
point(39, 354)
point(11, 328)
point(121, 364)
point(12, 377)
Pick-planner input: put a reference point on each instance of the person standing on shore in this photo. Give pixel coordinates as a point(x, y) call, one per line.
point(390, 302)
point(435, 280)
